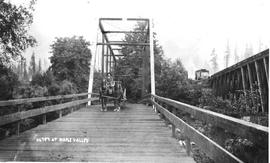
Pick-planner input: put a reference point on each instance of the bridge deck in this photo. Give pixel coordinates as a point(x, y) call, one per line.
point(136, 134)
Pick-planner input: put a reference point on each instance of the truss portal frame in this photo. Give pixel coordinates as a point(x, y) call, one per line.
point(109, 56)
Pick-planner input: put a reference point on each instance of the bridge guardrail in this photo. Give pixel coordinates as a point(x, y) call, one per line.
point(256, 133)
point(20, 115)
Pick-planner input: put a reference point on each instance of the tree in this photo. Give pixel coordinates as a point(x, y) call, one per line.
point(70, 61)
point(136, 74)
point(9, 81)
point(172, 79)
point(14, 24)
point(248, 51)
point(214, 61)
point(39, 66)
point(227, 55)
point(236, 56)
point(32, 66)
point(25, 74)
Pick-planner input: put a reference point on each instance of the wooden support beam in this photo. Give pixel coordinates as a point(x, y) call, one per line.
point(243, 80)
point(266, 69)
point(259, 85)
point(44, 119)
point(250, 77)
point(173, 126)
point(250, 83)
point(60, 113)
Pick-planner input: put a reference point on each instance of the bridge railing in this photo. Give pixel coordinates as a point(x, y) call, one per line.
point(253, 132)
point(20, 115)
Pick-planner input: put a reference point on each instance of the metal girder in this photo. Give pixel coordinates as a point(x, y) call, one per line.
point(105, 37)
point(125, 32)
point(116, 48)
point(125, 43)
point(117, 55)
point(129, 19)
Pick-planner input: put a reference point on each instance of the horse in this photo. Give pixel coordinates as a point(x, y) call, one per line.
point(118, 94)
point(111, 91)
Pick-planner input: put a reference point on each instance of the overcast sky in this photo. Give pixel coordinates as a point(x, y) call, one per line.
point(186, 29)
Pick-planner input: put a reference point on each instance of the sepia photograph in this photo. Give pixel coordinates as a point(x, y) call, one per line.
point(123, 81)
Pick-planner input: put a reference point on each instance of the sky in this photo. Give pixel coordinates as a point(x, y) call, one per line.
point(186, 29)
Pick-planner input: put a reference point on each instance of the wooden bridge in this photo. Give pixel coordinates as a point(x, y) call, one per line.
point(246, 75)
point(138, 133)
point(134, 134)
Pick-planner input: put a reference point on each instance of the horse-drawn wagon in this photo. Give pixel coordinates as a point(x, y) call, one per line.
point(111, 90)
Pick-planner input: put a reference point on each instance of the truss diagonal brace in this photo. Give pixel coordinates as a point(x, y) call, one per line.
point(106, 38)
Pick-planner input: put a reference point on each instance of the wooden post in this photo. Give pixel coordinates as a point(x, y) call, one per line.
point(259, 84)
point(18, 125)
point(243, 80)
point(44, 119)
point(219, 88)
point(250, 77)
point(188, 146)
point(266, 69)
point(173, 126)
point(233, 83)
point(239, 80)
point(250, 82)
point(60, 113)
point(152, 61)
point(223, 85)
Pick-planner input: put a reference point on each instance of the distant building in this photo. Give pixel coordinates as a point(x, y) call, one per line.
point(201, 74)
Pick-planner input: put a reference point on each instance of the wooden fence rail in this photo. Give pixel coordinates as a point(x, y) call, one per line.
point(39, 99)
point(256, 133)
point(14, 117)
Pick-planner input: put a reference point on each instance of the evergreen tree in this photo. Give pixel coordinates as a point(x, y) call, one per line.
point(32, 66)
point(214, 61)
point(39, 66)
point(25, 74)
point(248, 51)
point(236, 56)
point(227, 55)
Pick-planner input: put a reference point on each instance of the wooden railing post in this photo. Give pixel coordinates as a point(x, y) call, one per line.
point(18, 125)
point(60, 113)
point(188, 146)
point(44, 119)
point(173, 126)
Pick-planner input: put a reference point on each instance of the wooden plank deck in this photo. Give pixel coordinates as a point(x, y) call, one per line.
point(136, 134)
